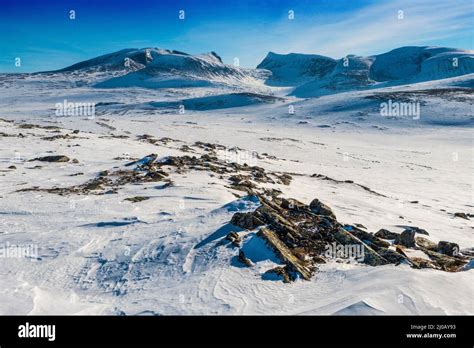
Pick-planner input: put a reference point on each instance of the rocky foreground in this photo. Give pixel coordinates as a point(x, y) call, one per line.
point(299, 234)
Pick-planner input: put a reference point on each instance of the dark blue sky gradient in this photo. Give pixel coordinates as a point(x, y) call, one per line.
point(43, 36)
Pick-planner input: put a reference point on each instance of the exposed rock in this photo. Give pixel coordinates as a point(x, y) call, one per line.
point(407, 238)
point(31, 126)
point(234, 238)
point(285, 254)
point(401, 250)
point(137, 199)
point(395, 257)
point(284, 179)
point(144, 161)
point(370, 255)
point(445, 262)
point(426, 243)
point(59, 136)
point(292, 204)
point(367, 237)
point(320, 208)
point(448, 248)
point(58, 158)
point(419, 262)
point(360, 226)
point(461, 215)
point(281, 272)
point(246, 221)
point(243, 259)
point(386, 234)
point(418, 230)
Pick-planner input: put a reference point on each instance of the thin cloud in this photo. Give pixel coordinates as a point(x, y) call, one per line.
point(377, 28)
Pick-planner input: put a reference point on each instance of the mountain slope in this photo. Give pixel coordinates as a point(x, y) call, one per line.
point(314, 75)
point(294, 68)
point(137, 59)
point(421, 64)
point(349, 73)
point(173, 69)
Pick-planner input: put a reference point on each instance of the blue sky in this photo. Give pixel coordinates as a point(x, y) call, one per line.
point(43, 36)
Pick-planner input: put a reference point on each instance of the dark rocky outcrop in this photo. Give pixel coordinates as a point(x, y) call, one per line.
point(55, 158)
point(320, 208)
point(137, 199)
point(386, 234)
point(300, 235)
point(243, 259)
point(247, 221)
point(282, 272)
point(448, 248)
point(234, 238)
point(462, 216)
point(407, 238)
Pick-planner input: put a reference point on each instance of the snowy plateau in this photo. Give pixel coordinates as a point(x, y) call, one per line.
point(155, 182)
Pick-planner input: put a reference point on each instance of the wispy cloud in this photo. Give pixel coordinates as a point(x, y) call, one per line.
point(370, 29)
point(378, 27)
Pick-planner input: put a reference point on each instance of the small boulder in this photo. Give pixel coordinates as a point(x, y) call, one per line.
point(234, 238)
point(360, 226)
point(137, 199)
point(407, 238)
point(386, 234)
point(448, 248)
point(56, 158)
point(243, 259)
point(246, 221)
point(280, 272)
point(320, 208)
point(292, 204)
point(461, 215)
point(418, 230)
point(426, 243)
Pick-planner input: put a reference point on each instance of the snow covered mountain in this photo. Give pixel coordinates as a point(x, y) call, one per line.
point(126, 59)
point(350, 73)
point(308, 75)
point(294, 68)
point(417, 64)
point(160, 68)
point(317, 75)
